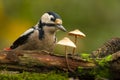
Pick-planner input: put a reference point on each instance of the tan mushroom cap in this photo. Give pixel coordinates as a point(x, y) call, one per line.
point(66, 42)
point(77, 32)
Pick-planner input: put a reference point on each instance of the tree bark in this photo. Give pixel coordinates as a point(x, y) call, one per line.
point(39, 61)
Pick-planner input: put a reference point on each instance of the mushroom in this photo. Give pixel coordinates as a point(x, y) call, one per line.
point(76, 33)
point(66, 42)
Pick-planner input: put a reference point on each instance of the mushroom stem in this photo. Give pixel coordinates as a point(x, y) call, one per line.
point(75, 44)
point(67, 58)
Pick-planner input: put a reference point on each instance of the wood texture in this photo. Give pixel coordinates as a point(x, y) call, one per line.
point(39, 61)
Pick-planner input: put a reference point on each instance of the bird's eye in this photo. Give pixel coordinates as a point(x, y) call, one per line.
point(52, 19)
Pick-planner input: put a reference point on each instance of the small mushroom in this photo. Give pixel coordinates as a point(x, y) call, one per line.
point(67, 43)
point(76, 33)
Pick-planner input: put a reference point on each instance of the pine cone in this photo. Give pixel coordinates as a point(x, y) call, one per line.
point(109, 47)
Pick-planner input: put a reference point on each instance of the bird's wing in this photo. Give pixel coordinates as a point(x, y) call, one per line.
point(22, 39)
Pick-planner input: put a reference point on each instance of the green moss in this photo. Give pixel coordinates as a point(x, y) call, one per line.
point(34, 76)
point(101, 70)
point(104, 61)
point(97, 72)
point(85, 55)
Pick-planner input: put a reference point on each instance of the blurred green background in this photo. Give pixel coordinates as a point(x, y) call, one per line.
point(98, 19)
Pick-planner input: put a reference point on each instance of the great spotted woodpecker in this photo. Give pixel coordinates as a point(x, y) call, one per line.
point(42, 35)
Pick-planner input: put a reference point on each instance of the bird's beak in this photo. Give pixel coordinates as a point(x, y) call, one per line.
point(61, 27)
point(58, 23)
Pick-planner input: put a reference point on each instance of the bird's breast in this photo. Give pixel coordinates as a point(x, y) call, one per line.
point(47, 43)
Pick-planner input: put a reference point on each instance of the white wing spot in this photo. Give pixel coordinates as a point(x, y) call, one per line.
point(28, 31)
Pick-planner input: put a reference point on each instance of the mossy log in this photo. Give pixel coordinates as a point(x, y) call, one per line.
point(39, 61)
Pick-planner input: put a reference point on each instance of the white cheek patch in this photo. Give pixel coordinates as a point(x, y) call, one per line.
point(46, 18)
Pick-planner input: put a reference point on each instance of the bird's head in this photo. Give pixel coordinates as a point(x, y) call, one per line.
point(51, 21)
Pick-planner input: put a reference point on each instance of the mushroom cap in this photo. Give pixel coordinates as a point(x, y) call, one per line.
point(77, 32)
point(66, 42)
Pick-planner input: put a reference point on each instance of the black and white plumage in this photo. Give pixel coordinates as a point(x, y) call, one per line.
point(42, 35)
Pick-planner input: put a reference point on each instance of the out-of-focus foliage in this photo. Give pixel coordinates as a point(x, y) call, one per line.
point(98, 19)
